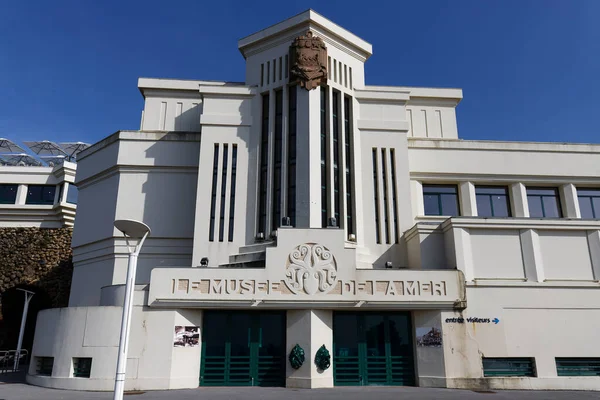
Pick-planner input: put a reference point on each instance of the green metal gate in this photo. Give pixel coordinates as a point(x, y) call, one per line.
point(373, 349)
point(241, 348)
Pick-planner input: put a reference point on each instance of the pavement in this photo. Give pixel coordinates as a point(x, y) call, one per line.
point(13, 388)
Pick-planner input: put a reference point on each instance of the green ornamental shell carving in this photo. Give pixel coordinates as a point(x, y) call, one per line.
point(323, 358)
point(296, 357)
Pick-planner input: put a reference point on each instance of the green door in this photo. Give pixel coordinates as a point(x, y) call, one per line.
point(372, 349)
point(242, 348)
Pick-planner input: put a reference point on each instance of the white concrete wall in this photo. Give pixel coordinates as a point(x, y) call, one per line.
point(152, 363)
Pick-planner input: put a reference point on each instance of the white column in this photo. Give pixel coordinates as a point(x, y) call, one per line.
point(310, 329)
point(518, 200)
point(468, 200)
point(570, 202)
point(21, 194)
point(532, 255)
point(63, 198)
point(594, 246)
point(416, 191)
point(463, 253)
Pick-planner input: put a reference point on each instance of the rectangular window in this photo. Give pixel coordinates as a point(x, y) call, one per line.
point(349, 163)
point(386, 214)
point(8, 194)
point(223, 188)
point(40, 194)
point(280, 65)
point(492, 201)
point(376, 196)
point(336, 158)
point(441, 200)
point(232, 195)
point(213, 197)
point(277, 157)
point(589, 203)
point(72, 194)
point(268, 72)
point(82, 367)
point(291, 170)
point(493, 367)
point(44, 366)
point(324, 157)
point(543, 203)
point(264, 167)
point(286, 66)
point(262, 74)
point(582, 366)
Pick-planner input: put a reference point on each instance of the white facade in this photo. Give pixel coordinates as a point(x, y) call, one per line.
point(37, 196)
point(520, 283)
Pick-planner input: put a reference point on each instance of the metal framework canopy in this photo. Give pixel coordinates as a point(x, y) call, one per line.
point(10, 147)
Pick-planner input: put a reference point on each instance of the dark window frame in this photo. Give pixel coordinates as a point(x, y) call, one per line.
point(556, 196)
point(490, 198)
point(44, 199)
point(586, 193)
point(428, 189)
point(5, 189)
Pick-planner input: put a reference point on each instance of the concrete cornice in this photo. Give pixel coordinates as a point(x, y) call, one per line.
point(369, 93)
point(227, 91)
point(506, 179)
point(491, 145)
point(519, 223)
point(307, 19)
point(149, 84)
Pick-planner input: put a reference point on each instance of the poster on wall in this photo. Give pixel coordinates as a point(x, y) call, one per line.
point(186, 336)
point(429, 337)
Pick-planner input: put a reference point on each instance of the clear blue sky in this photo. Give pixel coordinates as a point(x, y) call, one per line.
point(530, 70)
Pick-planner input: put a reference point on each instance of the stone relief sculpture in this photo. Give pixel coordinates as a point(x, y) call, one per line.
point(311, 269)
point(308, 61)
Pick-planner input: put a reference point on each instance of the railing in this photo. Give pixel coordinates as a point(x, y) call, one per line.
point(7, 360)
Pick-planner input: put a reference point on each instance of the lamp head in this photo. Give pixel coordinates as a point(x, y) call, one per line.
point(132, 228)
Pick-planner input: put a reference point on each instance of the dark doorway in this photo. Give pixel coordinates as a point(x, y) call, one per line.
point(242, 348)
point(373, 348)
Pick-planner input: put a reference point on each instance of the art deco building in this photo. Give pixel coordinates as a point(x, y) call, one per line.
point(305, 209)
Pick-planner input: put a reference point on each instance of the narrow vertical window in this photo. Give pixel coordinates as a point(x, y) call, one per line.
point(264, 158)
point(323, 157)
point(277, 156)
point(350, 70)
point(345, 75)
point(286, 66)
point(329, 69)
point(336, 157)
point(394, 195)
point(386, 213)
point(232, 195)
point(268, 71)
point(280, 68)
point(262, 74)
point(274, 70)
point(213, 198)
point(376, 196)
point(335, 71)
point(291, 178)
point(223, 188)
point(349, 163)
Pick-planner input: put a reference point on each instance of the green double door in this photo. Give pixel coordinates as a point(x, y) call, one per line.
point(372, 349)
point(241, 348)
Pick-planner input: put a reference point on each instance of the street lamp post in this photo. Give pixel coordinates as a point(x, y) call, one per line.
point(28, 296)
point(132, 230)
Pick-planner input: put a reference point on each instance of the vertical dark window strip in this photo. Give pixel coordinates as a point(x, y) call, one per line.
point(277, 156)
point(291, 178)
point(336, 157)
point(376, 196)
point(386, 213)
point(264, 158)
point(213, 198)
point(232, 194)
point(323, 156)
point(223, 188)
point(349, 162)
point(394, 195)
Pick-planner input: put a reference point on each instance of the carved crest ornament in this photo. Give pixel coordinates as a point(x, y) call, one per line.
point(308, 61)
point(311, 269)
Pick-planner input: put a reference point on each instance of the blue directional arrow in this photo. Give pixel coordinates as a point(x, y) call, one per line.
point(495, 321)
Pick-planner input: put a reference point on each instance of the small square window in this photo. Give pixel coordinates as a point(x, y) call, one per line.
point(82, 367)
point(40, 194)
point(44, 366)
point(492, 201)
point(8, 194)
point(589, 203)
point(543, 203)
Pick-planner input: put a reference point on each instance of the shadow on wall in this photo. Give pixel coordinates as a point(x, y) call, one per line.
point(396, 253)
point(13, 301)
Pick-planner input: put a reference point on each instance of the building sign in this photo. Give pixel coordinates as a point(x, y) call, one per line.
point(471, 320)
point(306, 274)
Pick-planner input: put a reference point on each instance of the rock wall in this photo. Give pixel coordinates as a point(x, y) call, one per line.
point(36, 259)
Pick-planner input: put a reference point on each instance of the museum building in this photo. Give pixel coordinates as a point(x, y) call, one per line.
point(309, 230)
